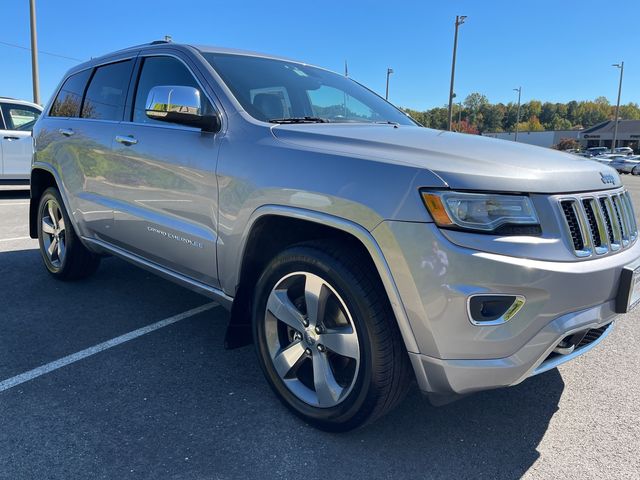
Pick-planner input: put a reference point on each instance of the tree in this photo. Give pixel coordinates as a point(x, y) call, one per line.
point(567, 144)
point(474, 101)
point(465, 127)
point(535, 116)
point(548, 113)
point(559, 123)
point(492, 117)
point(630, 111)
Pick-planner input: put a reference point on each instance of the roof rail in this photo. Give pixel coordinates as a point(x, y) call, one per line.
point(167, 39)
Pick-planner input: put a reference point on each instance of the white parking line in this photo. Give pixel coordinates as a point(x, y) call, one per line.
point(74, 357)
point(14, 239)
point(13, 203)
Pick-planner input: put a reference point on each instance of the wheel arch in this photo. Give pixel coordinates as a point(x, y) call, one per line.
point(41, 179)
point(288, 226)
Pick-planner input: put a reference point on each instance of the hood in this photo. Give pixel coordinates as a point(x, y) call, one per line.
point(464, 162)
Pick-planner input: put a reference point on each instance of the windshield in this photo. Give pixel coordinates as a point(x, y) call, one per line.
point(287, 92)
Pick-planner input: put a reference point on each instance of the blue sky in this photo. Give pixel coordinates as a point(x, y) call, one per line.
point(557, 50)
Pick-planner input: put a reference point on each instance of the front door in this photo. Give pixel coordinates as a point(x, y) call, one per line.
point(165, 193)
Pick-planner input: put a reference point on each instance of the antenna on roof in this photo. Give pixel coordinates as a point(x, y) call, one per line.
point(167, 38)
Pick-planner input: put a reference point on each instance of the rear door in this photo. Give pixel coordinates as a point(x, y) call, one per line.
point(76, 140)
point(166, 193)
point(15, 136)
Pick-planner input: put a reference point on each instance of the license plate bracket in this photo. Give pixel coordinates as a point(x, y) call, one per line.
point(628, 289)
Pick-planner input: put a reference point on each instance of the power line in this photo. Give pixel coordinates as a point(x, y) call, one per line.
point(40, 51)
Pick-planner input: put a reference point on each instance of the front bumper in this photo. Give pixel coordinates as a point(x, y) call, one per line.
point(435, 278)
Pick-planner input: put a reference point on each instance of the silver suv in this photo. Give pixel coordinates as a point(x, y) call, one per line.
point(356, 249)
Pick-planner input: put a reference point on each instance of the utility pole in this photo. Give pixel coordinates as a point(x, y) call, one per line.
point(615, 128)
point(459, 21)
point(34, 54)
point(519, 90)
point(389, 72)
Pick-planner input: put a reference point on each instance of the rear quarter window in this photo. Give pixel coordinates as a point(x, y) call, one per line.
point(69, 98)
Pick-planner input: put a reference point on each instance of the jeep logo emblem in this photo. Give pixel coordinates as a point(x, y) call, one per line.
point(607, 178)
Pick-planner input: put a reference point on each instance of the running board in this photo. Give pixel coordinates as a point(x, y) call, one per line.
point(202, 288)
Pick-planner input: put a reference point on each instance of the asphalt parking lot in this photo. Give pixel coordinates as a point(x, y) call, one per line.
point(168, 402)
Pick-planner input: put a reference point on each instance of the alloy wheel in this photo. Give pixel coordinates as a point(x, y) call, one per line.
point(53, 233)
point(312, 340)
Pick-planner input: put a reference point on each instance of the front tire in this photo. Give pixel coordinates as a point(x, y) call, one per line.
point(65, 257)
point(326, 337)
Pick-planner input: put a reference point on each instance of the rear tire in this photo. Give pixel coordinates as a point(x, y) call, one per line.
point(335, 384)
point(64, 256)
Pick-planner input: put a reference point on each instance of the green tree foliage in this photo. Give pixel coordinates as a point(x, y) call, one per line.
point(478, 114)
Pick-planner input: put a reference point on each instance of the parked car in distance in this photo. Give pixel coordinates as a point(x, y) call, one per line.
point(17, 118)
point(593, 151)
point(357, 250)
point(623, 163)
point(624, 150)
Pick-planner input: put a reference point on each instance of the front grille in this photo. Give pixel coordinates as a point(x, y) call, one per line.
point(599, 223)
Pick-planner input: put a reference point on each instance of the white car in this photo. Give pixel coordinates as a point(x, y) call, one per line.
point(624, 150)
point(17, 118)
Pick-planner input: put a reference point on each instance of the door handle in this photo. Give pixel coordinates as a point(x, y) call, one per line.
point(12, 138)
point(128, 140)
point(67, 132)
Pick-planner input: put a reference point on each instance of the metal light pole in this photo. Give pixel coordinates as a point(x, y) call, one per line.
point(459, 21)
point(615, 128)
point(34, 54)
point(519, 90)
point(389, 72)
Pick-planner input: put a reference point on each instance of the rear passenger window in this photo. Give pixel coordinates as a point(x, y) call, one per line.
point(67, 103)
point(158, 71)
point(107, 92)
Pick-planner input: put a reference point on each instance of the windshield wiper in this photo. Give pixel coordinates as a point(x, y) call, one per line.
point(299, 120)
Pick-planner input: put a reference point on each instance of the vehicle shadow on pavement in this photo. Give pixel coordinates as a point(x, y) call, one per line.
point(491, 434)
point(175, 404)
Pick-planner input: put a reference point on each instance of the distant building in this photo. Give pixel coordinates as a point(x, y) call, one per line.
point(547, 139)
point(601, 135)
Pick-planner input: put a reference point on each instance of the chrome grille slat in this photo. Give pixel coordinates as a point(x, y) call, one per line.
point(615, 199)
point(598, 223)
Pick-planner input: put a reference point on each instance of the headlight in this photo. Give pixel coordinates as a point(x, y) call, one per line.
point(490, 213)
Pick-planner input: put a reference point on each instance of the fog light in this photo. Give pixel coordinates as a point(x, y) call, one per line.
point(493, 309)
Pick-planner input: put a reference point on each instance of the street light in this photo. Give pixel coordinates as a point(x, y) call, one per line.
point(615, 128)
point(519, 90)
point(389, 72)
point(459, 21)
point(34, 53)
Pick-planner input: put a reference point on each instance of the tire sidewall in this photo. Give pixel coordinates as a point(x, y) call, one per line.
point(345, 284)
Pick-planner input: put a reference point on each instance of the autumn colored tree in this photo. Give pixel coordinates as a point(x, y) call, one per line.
point(567, 144)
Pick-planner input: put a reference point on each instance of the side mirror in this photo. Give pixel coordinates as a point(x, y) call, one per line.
point(181, 105)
